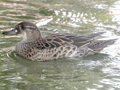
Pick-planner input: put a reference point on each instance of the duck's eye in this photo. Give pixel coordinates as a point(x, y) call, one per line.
point(22, 27)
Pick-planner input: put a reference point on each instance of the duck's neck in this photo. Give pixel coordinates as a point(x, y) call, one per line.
point(31, 38)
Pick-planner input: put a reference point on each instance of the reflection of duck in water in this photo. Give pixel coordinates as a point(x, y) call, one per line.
point(55, 46)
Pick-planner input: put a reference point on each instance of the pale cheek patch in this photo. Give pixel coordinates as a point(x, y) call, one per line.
point(24, 36)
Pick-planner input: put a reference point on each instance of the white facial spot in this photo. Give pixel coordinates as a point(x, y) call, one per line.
point(16, 31)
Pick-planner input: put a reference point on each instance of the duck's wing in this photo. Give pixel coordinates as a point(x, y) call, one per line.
point(98, 45)
point(56, 40)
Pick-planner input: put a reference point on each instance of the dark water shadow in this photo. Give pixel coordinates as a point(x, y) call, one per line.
point(100, 56)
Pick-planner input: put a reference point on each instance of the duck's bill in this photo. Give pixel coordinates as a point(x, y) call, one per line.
point(11, 32)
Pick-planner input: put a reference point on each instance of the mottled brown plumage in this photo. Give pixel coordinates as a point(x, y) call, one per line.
point(55, 46)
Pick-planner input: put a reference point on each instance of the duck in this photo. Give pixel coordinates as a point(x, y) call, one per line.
point(59, 45)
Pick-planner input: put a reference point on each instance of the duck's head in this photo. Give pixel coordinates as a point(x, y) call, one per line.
point(27, 30)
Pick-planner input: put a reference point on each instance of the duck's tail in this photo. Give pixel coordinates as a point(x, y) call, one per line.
point(98, 45)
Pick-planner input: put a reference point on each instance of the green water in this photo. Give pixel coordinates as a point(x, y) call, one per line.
point(96, 72)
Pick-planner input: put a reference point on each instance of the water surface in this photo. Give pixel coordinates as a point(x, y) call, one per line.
point(96, 72)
